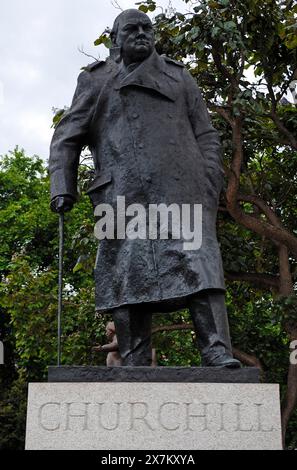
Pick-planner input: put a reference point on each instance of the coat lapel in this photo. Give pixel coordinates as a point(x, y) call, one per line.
point(151, 74)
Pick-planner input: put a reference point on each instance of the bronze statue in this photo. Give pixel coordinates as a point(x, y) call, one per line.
point(146, 124)
point(113, 358)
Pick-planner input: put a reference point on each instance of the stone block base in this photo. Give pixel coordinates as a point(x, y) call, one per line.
point(153, 416)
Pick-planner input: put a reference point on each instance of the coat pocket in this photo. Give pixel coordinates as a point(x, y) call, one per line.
point(95, 190)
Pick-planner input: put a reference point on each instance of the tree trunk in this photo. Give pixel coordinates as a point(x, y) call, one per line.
point(287, 289)
point(290, 399)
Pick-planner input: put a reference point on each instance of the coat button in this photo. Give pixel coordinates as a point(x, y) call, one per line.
point(135, 115)
point(140, 146)
point(172, 142)
point(148, 179)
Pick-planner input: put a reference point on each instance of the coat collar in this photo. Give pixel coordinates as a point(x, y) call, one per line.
point(153, 73)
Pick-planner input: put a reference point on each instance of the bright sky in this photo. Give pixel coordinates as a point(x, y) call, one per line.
point(40, 62)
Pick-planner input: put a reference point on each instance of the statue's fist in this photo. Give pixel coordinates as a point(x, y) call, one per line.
point(62, 204)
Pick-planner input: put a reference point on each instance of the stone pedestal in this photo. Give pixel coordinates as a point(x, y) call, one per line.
point(153, 374)
point(149, 409)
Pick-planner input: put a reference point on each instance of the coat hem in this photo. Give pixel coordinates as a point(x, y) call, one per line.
point(167, 303)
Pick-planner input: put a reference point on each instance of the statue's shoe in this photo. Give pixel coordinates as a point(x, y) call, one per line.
point(224, 360)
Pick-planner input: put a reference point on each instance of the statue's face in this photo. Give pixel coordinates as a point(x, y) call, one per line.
point(135, 37)
point(110, 331)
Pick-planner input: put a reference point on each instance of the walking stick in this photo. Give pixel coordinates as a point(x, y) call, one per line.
point(60, 294)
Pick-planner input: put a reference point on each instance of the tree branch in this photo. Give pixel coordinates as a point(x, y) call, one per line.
point(263, 206)
point(286, 287)
point(180, 326)
point(260, 279)
point(247, 359)
point(222, 68)
point(81, 50)
point(277, 121)
point(286, 85)
point(282, 128)
point(273, 230)
point(290, 400)
point(222, 112)
point(116, 5)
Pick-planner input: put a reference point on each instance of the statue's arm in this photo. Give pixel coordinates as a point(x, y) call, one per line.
point(110, 347)
point(70, 136)
point(206, 135)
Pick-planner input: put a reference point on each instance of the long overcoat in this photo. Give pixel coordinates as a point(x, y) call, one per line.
point(152, 141)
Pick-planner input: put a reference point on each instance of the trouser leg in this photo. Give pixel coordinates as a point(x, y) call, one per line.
point(133, 330)
point(209, 315)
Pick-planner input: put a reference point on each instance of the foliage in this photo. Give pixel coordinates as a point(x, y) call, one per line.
point(28, 288)
point(13, 407)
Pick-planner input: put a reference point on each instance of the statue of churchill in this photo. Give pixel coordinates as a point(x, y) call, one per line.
point(147, 126)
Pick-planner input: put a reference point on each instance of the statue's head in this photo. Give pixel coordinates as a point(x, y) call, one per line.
point(110, 330)
point(133, 34)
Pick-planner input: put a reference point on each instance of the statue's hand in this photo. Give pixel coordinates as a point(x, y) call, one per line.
point(62, 204)
point(97, 348)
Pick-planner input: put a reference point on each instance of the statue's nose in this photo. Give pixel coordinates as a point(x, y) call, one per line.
point(140, 31)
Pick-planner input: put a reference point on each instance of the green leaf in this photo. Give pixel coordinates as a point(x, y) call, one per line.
point(143, 8)
point(230, 26)
point(78, 267)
